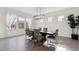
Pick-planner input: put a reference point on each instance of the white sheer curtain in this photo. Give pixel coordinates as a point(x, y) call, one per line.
point(21, 21)
point(11, 20)
point(28, 22)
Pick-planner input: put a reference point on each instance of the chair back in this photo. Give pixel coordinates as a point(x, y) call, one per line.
point(28, 32)
point(45, 29)
point(40, 29)
point(36, 33)
point(56, 33)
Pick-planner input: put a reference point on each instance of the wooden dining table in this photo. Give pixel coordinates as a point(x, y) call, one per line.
point(44, 35)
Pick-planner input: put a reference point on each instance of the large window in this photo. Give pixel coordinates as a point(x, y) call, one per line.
point(21, 21)
point(41, 20)
point(50, 19)
point(11, 21)
point(40, 23)
point(15, 21)
point(60, 18)
point(29, 20)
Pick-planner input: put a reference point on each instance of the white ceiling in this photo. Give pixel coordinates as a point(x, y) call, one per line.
point(44, 10)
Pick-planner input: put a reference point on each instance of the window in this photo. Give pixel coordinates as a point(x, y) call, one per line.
point(49, 19)
point(21, 22)
point(61, 18)
point(11, 21)
point(41, 20)
point(39, 23)
point(29, 20)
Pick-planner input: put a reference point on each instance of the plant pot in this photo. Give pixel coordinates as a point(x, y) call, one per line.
point(74, 36)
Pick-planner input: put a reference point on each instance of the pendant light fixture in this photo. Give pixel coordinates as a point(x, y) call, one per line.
point(39, 15)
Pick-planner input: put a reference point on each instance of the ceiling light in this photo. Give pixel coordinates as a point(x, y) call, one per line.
point(39, 14)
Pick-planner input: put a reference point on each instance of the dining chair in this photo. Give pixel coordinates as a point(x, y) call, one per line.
point(28, 34)
point(37, 36)
point(51, 40)
point(45, 29)
point(40, 29)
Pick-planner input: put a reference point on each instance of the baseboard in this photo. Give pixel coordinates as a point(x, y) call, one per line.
point(64, 37)
point(12, 36)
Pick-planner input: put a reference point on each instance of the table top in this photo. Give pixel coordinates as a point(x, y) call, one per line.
point(47, 32)
point(43, 32)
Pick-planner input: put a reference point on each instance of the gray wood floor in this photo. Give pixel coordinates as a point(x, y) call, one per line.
point(21, 44)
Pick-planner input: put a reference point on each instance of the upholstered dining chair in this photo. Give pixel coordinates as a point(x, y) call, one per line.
point(37, 36)
point(45, 29)
point(28, 34)
point(51, 40)
point(40, 29)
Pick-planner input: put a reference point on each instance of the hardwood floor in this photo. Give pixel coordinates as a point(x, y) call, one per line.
point(21, 44)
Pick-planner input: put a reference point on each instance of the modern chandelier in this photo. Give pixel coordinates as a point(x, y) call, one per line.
point(39, 15)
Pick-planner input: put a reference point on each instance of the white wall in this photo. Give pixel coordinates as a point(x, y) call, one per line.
point(3, 29)
point(64, 29)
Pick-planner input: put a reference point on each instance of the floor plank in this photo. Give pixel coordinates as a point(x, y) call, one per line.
point(21, 44)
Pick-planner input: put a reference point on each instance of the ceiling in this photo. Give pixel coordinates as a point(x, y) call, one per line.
point(44, 10)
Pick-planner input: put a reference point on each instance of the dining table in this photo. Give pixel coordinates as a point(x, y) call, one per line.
point(46, 33)
point(43, 33)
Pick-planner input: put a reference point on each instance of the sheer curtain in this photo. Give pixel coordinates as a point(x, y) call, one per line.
point(28, 22)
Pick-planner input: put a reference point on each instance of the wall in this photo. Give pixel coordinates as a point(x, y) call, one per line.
point(3, 29)
point(64, 29)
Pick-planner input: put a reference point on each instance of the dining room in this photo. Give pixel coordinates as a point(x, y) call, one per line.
point(38, 29)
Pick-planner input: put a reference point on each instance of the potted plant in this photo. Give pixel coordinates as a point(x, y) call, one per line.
point(77, 21)
point(73, 22)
